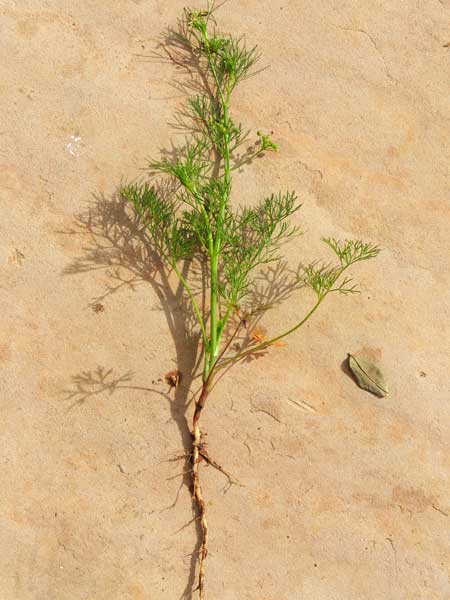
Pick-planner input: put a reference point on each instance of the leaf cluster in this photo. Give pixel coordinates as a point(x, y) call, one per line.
point(173, 236)
point(197, 219)
point(351, 251)
point(323, 278)
point(252, 238)
point(210, 123)
point(228, 57)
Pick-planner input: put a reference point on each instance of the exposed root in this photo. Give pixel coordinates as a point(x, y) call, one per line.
point(210, 461)
point(200, 502)
point(199, 454)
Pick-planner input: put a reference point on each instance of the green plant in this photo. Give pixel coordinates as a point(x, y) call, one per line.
point(197, 222)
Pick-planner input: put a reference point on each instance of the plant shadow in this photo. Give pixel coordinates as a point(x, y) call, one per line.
point(120, 246)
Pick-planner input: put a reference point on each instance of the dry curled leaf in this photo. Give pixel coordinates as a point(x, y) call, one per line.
point(367, 375)
point(173, 378)
point(259, 334)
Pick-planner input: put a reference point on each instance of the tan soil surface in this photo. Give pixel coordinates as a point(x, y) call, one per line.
point(346, 495)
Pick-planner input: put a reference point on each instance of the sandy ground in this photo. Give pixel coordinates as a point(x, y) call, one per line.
point(346, 495)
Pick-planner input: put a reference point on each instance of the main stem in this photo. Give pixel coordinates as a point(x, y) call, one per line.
point(217, 325)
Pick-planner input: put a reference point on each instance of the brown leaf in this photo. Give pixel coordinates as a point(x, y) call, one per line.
point(173, 378)
point(259, 334)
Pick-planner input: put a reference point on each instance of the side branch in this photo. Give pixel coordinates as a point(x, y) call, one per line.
point(268, 343)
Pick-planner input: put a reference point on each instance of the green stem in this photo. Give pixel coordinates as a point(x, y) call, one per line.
point(214, 309)
point(217, 324)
